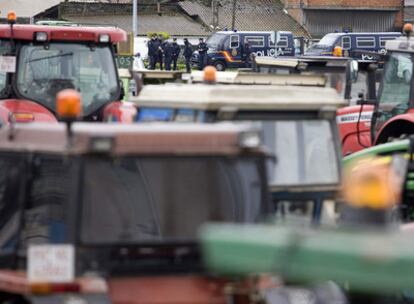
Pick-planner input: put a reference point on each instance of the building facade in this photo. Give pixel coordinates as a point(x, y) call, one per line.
point(320, 17)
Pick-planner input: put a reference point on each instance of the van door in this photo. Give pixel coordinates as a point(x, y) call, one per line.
point(235, 47)
point(346, 45)
point(284, 48)
point(257, 44)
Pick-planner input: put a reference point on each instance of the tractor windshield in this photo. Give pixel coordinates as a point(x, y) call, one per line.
point(167, 199)
point(397, 80)
point(128, 200)
point(394, 96)
point(43, 72)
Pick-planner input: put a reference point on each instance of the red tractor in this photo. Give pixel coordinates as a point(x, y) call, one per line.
point(391, 115)
point(37, 61)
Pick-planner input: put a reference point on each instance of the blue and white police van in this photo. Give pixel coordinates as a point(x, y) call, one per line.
point(352, 44)
point(226, 48)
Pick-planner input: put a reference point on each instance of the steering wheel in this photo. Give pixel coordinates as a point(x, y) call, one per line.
point(399, 109)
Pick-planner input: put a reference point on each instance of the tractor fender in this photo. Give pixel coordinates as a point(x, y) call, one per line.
point(117, 111)
point(38, 112)
point(395, 127)
point(354, 136)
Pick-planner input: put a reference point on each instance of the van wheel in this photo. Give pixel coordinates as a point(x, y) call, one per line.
point(220, 65)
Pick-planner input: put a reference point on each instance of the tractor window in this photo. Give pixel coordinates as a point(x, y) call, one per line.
point(5, 49)
point(42, 73)
point(305, 150)
point(153, 199)
point(397, 80)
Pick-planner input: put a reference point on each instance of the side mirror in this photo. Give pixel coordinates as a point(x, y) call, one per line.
point(122, 91)
point(354, 70)
point(362, 101)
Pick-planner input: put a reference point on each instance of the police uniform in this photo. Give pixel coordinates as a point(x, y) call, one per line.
point(168, 55)
point(247, 54)
point(152, 52)
point(160, 53)
point(188, 53)
point(175, 54)
point(202, 52)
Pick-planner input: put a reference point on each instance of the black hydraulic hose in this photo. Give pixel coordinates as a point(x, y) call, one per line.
point(358, 130)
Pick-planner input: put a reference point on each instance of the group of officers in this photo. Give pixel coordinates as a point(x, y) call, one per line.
point(166, 53)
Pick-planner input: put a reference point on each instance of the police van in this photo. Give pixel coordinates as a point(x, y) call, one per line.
point(352, 44)
point(226, 48)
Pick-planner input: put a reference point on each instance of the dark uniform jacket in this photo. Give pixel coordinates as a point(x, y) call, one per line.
point(202, 48)
point(153, 47)
point(175, 50)
point(188, 50)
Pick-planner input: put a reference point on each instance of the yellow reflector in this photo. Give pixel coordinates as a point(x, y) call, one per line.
point(371, 184)
point(40, 288)
point(23, 117)
point(68, 104)
point(337, 52)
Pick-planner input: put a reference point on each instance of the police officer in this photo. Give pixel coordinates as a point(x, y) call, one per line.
point(202, 51)
point(188, 53)
point(247, 54)
point(175, 53)
point(168, 54)
point(160, 51)
point(152, 51)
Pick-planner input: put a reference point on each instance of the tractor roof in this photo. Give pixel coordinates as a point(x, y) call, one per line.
point(133, 139)
point(63, 33)
point(402, 44)
point(281, 99)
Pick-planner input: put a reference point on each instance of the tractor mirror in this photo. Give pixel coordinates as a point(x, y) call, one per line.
point(354, 70)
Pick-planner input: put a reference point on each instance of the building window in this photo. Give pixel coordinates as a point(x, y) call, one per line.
point(254, 41)
point(346, 43)
point(365, 42)
point(383, 40)
point(234, 41)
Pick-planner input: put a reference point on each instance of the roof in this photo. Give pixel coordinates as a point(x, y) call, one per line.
point(400, 44)
point(26, 32)
point(257, 15)
point(24, 8)
point(242, 77)
point(174, 24)
point(242, 97)
point(144, 139)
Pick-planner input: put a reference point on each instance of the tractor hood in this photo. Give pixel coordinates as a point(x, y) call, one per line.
point(21, 110)
point(166, 290)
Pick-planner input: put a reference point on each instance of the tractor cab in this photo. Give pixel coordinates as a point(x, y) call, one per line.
point(377, 121)
point(108, 213)
point(297, 126)
point(37, 61)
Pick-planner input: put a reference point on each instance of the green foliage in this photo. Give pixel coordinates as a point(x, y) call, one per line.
point(164, 35)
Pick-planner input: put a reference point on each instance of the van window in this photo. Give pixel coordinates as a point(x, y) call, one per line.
point(234, 41)
point(254, 41)
point(383, 40)
point(283, 41)
point(365, 42)
point(346, 42)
